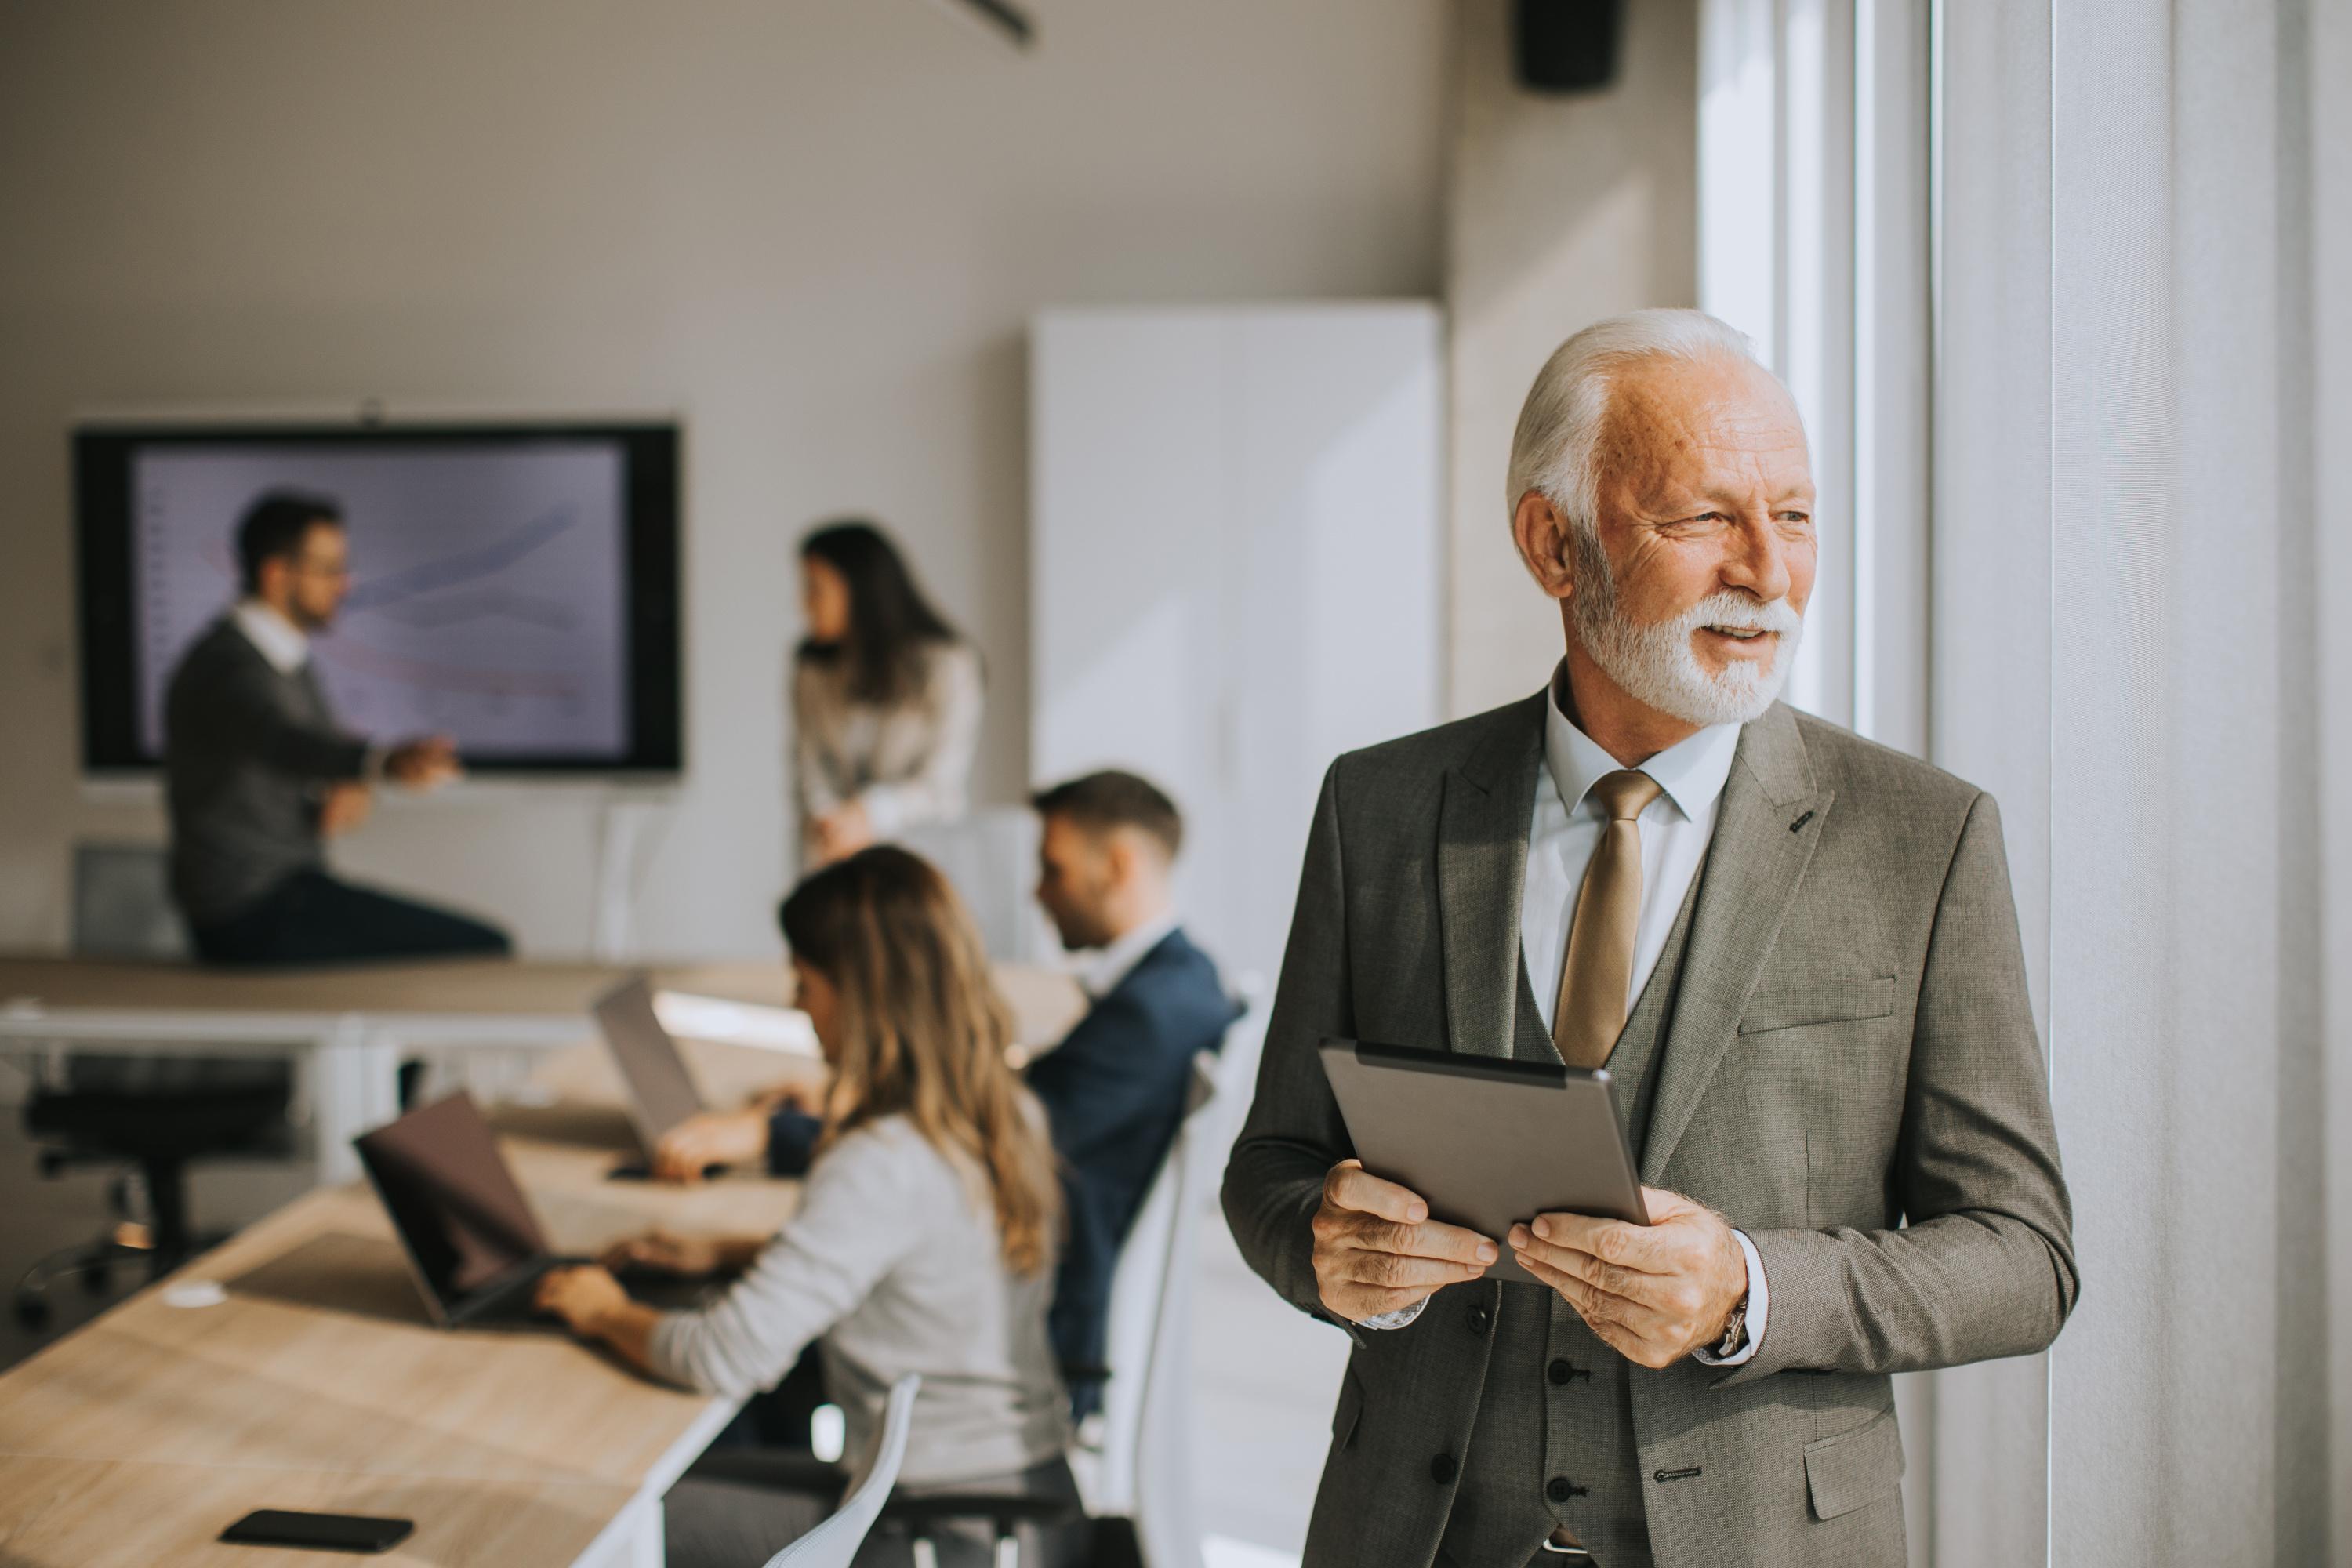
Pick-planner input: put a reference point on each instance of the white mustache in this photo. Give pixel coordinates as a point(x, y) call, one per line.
point(1737, 612)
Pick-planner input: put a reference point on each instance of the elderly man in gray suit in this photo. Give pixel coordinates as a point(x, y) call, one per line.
point(1796, 956)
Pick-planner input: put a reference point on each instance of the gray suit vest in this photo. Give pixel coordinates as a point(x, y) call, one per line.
point(1553, 1442)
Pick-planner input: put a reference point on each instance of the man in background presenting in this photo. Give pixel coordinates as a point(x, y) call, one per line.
point(1796, 954)
point(257, 774)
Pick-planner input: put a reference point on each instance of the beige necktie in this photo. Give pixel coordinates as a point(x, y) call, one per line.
point(1599, 967)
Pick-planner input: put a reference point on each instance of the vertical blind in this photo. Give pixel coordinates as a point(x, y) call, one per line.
point(2135, 572)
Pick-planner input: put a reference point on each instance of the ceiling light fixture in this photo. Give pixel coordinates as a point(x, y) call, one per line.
point(999, 17)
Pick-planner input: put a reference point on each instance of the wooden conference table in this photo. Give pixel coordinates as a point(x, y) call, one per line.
point(318, 1382)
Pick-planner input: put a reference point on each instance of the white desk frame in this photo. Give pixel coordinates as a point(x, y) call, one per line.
point(347, 1064)
point(634, 1539)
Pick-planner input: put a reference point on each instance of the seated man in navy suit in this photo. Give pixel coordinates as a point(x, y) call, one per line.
point(1114, 1090)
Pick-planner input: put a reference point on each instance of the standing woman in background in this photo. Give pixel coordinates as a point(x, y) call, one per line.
point(886, 698)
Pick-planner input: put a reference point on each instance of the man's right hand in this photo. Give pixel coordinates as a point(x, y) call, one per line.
point(425, 763)
point(805, 1095)
point(710, 1138)
point(1377, 1250)
point(343, 807)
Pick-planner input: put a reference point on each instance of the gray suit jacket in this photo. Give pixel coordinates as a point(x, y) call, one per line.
point(1851, 1075)
point(244, 750)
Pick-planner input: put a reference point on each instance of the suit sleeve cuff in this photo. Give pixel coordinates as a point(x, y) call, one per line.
point(792, 1141)
point(1759, 1308)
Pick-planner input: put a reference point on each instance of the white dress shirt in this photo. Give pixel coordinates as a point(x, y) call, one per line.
point(279, 640)
point(1100, 969)
point(1676, 828)
point(1567, 829)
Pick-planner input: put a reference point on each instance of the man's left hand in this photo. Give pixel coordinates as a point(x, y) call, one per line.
point(425, 762)
point(1653, 1293)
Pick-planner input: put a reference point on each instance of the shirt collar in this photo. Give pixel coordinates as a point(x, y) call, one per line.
point(281, 642)
point(1100, 972)
point(1691, 772)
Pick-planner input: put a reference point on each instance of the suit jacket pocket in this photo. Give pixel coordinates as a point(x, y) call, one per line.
point(1351, 1409)
point(1847, 1470)
point(1829, 1001)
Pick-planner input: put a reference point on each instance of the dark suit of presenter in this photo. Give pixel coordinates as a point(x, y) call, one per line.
point(249, 743)
point(1834, 1050)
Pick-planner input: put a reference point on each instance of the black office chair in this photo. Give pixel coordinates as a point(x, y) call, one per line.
point(158, 1116)
point(154, 1115)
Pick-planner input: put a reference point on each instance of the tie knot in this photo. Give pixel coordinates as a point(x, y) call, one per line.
point(1624, 793)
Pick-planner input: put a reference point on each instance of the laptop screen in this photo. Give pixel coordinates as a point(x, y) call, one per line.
point(451, 1196)
point(662, 1092)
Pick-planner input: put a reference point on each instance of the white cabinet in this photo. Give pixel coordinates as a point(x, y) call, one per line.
point(1236, 558)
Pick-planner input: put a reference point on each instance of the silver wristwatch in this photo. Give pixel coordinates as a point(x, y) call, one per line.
point(1734, 1332)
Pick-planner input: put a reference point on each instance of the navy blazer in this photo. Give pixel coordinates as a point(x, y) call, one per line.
point(1114, 1092)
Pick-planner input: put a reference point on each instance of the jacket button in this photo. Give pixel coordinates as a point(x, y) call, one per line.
point(1479, 1318)
point(1442, 1470)
point(1559, 1489)
point(1560, 1372)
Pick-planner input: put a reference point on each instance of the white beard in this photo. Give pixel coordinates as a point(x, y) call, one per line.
point(1656, 664)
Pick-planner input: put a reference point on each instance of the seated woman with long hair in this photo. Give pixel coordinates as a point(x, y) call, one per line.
point(923, 1243)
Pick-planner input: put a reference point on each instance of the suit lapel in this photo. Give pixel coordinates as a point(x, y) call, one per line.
point(1481, 867)
point(1754, 864)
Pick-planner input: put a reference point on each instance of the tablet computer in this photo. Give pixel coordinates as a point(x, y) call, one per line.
point(1488, 1143)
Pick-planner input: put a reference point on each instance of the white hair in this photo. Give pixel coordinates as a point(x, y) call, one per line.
point(1561, 421)
point(1553, 453)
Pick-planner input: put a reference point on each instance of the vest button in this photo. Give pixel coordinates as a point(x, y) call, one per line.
point(1480, 1316)
point(1559, 1489)
point(1560, 1372)
point(1442, 1470)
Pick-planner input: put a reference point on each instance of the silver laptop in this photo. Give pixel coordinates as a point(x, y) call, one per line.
point(662, 1092)
point(468, 1233)
point(465, 1230)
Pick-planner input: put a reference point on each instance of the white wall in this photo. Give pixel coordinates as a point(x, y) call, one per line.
point(1560, 209)
point(1267, 599)
point(814, 230)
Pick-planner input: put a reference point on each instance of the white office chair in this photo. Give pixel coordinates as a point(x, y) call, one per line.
point(834, 1544)
point(1236, 1067)
point(1140, 1465)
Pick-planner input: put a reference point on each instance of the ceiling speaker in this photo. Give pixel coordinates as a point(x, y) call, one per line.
point(1568, 46)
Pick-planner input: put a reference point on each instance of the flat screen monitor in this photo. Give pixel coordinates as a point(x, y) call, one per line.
point(515, 586)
